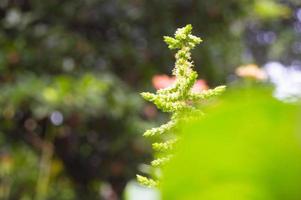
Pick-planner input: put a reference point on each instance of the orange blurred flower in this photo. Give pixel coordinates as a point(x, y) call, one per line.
point(251, 71)
point(162, 81)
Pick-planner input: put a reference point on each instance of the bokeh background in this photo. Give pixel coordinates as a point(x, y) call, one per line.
point(71, 118)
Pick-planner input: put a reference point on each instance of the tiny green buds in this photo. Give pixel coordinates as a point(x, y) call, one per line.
point(178, 99)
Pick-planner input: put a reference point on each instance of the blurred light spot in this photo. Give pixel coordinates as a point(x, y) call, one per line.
point(287, 80)
point(56, 118)
point(53, 41)
point(251, 71)
point(68, 64)
point(106, 191)
point(134, 191)
point(298, 14)
point(266, 37)
point(237, 27)
point(13, 17)
point(50, 94)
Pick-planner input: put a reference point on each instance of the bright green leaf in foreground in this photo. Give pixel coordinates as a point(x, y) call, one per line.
point(248, 147)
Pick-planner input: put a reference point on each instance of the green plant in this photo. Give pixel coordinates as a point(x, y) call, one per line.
point(178, 99)
point(246, 148)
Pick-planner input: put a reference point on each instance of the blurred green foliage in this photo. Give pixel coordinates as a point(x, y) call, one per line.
point(89, 94)
point(246, 148)
point(268, 9)
point(70, 72)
